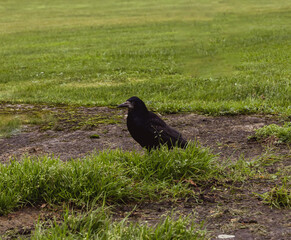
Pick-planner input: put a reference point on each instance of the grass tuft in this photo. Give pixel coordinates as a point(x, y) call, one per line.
point(112, 176)
point(192, 162)
point(97, 225)
point(280, 133)
point(279, 197)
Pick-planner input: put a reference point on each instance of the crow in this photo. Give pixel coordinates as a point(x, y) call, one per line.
point(148, 129)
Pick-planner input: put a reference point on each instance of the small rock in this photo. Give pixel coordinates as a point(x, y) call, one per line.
point(225, 236)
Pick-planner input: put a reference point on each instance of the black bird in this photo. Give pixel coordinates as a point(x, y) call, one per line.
point(148, 129)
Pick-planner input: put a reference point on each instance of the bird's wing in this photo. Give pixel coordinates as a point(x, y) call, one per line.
point(162, 131)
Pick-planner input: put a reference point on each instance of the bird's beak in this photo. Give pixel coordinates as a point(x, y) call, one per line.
point(125, 104)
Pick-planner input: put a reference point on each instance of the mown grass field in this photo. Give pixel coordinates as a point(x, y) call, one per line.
point(203, 56)
point(214, 57)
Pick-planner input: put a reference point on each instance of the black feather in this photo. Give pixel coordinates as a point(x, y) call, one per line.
point(148, 129)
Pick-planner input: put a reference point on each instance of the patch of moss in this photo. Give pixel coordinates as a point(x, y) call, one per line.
point(60, 118)
point(95, 136)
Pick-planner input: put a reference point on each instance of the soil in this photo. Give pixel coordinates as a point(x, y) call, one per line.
point(235, 211)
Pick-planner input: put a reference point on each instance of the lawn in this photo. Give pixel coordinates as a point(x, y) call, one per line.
point(203, 56)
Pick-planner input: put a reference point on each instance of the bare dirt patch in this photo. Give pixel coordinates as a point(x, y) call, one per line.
point(70, 135)
point(22, 222)
point(76, 132)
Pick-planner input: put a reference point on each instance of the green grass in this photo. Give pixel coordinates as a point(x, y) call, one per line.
point(244, 169)
point(115, 176)
point(110, 176)
point(204, 56)
point(97, 225)
point(9, 124)
point(280, 133)
point(12, 122)
point(279, 196)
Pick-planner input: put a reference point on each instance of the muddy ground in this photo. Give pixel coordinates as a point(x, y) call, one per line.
point(70, 135)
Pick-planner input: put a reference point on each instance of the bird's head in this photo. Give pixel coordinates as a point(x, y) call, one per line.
point(134, 104)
